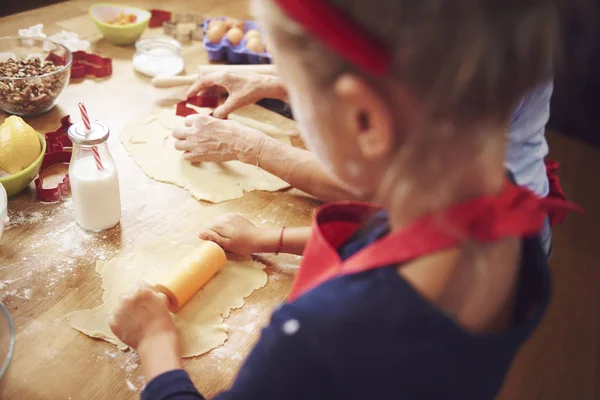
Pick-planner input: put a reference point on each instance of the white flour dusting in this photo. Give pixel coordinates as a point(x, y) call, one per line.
point(251, 327)
point(112, 354)
point(24, 294)
point(130, 385)
point(34, 327)
point(132, 362)
point(72, 249)
point(21, 218)
point(126, 361)
point(7, 282)
point(223, 352)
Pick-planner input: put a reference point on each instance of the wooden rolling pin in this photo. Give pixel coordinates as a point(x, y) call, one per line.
point(173, 81)
point(191, 275)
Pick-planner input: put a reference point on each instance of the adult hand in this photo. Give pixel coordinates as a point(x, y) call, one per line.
point(243, 89)
point(236, 234)
point(205, 138)
point(142, 317)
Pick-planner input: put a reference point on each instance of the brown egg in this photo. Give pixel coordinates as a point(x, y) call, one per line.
point(216, 22)
point(235, 36)
point(216, 33)
point(252, 33)
point(255, 45)
point(230, 22)
point(240, 25)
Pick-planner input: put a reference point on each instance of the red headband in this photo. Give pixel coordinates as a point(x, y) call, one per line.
point(340, 33)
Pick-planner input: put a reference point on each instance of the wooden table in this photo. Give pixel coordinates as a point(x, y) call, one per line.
point(47, 262)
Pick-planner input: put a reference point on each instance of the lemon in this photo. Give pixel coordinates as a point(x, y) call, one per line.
point(19, 145)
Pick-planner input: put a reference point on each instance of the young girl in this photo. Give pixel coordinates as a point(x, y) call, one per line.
point(431, 292)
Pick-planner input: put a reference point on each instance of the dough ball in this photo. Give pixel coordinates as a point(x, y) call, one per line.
point(253, 33)
point(235, 36)
point(19, 145)
point(255, 45)
point(216, 33)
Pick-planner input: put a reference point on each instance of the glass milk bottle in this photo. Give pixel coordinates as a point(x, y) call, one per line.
point(94, 179)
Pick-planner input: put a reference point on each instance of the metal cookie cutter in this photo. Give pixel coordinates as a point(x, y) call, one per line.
point(184, 27)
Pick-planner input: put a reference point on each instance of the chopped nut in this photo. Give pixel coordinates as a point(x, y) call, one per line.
point(23, 95)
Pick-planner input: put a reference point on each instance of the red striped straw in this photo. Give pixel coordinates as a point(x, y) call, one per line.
point(88, 128)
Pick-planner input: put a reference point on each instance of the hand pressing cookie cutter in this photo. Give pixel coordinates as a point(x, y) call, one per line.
point(85, 64)
point(185, 27)
point(56, 153)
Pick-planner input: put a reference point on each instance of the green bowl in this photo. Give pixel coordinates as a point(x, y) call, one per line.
point(16, 183)
point(120, 35)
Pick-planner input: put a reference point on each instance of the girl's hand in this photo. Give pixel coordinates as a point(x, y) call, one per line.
point(204, 139)
point(243, 89)
point(142, 319)
point(234, 233)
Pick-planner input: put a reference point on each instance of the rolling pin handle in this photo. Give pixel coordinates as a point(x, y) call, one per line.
point(173, 81)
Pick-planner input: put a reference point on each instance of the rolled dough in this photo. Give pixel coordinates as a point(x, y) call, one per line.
point(200, 322)
point(151, 144)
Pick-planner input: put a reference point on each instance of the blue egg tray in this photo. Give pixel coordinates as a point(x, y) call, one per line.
point(225, 51)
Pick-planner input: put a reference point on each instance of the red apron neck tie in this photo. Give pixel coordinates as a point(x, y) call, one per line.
point(516, 212)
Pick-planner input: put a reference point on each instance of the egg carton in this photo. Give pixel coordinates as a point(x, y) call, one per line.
point(225, 51)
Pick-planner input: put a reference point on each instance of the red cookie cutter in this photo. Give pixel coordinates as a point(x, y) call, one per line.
point(158, 17)
point(85, 64)
point(210, 100)
point(57, 143)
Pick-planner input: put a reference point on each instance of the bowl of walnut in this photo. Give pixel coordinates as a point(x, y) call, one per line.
point(33, 74)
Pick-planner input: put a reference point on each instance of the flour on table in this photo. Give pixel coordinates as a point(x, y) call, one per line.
point(30, 273)
point(200, 322)
point(150, 143)
point(130, 385)
point(22, 218)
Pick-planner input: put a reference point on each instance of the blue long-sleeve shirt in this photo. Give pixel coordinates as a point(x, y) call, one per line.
point(372, 336)
point(527, 147)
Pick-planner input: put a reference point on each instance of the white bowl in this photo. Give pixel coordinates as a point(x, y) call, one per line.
point(3, 207)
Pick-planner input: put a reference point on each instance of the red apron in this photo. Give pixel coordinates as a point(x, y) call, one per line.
point(516, 212)
point(557, 215)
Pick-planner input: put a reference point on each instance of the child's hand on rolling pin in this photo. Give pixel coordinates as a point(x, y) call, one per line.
point(243, 89)
point(142, 321)
point(142, 318)
point(236, 234)
point(208, 139)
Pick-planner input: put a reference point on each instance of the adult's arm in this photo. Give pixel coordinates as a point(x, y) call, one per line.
point(208, 139)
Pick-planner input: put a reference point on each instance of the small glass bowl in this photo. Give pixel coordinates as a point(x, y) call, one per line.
point(7, 339)
point(158, 56)
point(33, 95)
